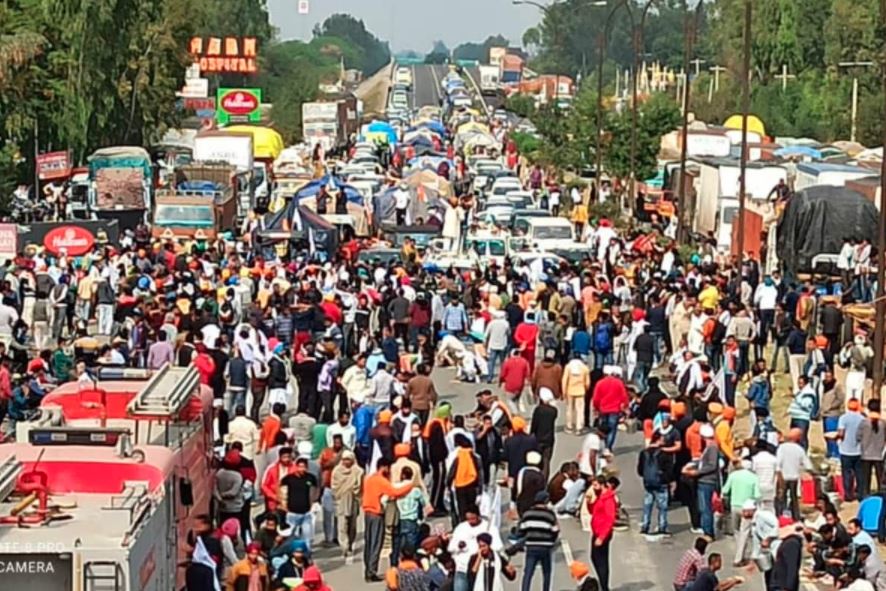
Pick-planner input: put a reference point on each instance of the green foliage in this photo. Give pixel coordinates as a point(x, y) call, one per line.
point(478, 51)
point(810, 37)
point(439, 54)
point(521, 104)
point(370, 54)
point(656, 117)
point(526, 143)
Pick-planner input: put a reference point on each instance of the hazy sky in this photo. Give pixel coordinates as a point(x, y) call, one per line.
point(412, 24)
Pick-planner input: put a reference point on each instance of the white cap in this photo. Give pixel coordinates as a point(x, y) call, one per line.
point(533, 458)
point(546, 395)
point(749, 505)
point(305, 449)
point(706, 431)
point(612, 370)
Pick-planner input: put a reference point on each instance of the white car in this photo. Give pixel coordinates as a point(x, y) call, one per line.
point(504, 185)
point(403, 76)
point(550, 233)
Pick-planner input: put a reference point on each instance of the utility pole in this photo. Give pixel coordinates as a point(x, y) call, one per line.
point(784, 77)
point(881, 247)
point(854, 117)
point(685, 213)
point(745, 107)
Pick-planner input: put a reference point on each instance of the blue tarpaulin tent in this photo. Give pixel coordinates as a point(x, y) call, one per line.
point(798, 151)
point(313, 187)
point(385, 128)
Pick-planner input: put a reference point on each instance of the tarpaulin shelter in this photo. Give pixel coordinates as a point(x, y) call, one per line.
point(849, 148)
point(754, 124)
point(382, 128)
point(434, 126)
point(798, 151)
point(817, 219)
point(417, 139)
point(307, 197)
point(431, 182)
point(420, 206)
point(267, 144)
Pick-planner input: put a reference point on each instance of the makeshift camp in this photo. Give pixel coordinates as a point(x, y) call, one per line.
point(421, 206)
point(380, 130)
point(297, 227)
point(815, 222)
point(306, 197)
point(433, 184)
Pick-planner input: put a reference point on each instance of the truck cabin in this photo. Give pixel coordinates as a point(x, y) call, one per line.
point(86, 516)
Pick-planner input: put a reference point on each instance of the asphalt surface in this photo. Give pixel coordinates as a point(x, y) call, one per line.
point(636, 564)
point(426, 89)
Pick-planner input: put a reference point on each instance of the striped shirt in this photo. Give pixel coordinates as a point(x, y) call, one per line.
point(539, 527)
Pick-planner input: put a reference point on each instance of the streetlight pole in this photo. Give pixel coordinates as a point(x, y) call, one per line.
point(601, 57)
point(685, 213)
point(638, 31)
point(879, 335)
point(745, 108)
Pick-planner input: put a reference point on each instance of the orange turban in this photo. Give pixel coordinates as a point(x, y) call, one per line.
point(385, 416)
point(401, 450)
point(518, 423)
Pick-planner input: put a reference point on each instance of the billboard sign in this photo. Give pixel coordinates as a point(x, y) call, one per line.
point(219, 55)
point(53, 165)
point(238, 105)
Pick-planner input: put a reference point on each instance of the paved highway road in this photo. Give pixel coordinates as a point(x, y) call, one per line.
point(637, 564)
point(426, 88)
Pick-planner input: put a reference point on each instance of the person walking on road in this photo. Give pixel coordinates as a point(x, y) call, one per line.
point(539, 531)
point(544, 427)
point(576, 383)
point(651, 471)
point(604, 511)
point(610, 400)
point(347, 483)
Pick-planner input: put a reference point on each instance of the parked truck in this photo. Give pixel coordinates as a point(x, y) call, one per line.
point(235, 149)
point(121, 181)
point(330, 122)
point(489, 78)
point(201, 203)
point(511, 69)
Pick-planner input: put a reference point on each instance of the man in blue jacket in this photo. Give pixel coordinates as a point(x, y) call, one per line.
point(363, 419)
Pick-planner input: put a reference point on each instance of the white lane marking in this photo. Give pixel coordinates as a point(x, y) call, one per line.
point(437, 91)
point(567, 551)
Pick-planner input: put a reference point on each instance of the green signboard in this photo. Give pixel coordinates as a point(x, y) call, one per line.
point(238, 105)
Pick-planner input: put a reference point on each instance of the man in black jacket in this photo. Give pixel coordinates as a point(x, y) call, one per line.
point(544, 426)
point(831, 324)
point(785, 574)
point(644, 349)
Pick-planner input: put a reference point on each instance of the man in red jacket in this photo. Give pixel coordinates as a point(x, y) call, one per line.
point(515, 373)
point(604, 510)
point(610, 400)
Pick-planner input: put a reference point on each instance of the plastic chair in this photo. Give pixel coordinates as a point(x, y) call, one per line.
point(869, 513)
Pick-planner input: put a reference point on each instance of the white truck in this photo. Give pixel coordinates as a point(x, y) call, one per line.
point(331, 122)
point(489, 78)
point(233, 148)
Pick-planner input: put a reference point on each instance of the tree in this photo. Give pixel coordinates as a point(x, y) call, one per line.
point(439, 54)
point(521, 104)
point(374, 53)
point(656, 117)
point(478, 51)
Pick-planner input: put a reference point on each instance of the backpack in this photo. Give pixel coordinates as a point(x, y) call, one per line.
point(413, 579)
point(718, 333)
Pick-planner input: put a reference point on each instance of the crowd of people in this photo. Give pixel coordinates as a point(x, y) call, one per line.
point(332, 432)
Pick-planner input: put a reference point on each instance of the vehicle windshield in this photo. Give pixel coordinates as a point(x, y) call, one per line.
point(729, 214)
point(496, 247)
point(184, 216)
point(552, 233)
point(378, 256)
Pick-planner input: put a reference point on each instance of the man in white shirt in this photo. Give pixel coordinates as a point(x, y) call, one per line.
point(344, 429)
point(401, 203)
point(463, 543)
point(765, 466)
point(244, 430)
